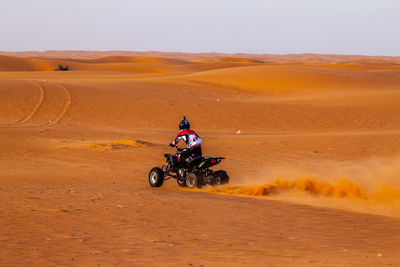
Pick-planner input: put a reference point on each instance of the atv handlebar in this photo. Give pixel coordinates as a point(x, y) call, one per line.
point(177, 148)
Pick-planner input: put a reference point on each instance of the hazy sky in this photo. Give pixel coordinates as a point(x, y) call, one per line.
point(369, 27)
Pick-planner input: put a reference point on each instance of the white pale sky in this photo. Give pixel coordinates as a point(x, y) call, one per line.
point(362, 27)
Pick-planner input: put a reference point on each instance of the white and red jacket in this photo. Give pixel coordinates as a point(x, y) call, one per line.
point(190, 137)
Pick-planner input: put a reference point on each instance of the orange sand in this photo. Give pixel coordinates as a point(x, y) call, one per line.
point(77, 146)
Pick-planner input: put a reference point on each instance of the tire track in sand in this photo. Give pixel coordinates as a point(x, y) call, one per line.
point(33, 111)
point(64, 109)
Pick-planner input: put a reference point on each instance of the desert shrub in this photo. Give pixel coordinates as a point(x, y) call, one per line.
point(62, 68)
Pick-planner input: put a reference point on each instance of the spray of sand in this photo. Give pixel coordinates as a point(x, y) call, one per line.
point(343, 188)
point(375, 181)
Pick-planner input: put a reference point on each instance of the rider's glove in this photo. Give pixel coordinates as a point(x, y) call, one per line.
point(171, 144)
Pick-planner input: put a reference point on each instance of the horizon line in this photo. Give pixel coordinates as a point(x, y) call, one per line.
point(182, 52)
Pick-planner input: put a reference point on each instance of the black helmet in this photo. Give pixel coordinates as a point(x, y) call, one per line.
point(184, 124)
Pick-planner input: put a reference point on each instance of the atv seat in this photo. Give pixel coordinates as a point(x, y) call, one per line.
point(190, 159)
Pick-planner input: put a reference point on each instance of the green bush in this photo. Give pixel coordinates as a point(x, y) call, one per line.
point(62, 68)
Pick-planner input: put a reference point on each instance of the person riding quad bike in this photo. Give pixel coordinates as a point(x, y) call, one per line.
point(192, 140)
point(188, 166)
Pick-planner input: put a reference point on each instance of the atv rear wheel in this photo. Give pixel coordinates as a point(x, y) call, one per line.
point(156, 177)
point(193, 180)
point(220, 177)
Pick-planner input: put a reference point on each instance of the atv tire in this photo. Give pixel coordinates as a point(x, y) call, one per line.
point(220, 177)
point(156, 177)
point(192, 180)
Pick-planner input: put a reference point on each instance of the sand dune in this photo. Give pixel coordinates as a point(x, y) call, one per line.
point(8, 63)
point(280, 79)
point(239, 60)
point(314, 167)
point(122, 64)
point(137, 59)
point(135, 64)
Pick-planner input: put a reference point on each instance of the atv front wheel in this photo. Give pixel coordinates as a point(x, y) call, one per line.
point(193, 180)
point(156, 177)
point(220, 177)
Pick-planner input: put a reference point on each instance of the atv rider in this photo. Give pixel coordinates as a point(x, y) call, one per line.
point(192, 140)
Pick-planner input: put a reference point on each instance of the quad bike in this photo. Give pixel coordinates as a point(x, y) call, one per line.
point(190, 172)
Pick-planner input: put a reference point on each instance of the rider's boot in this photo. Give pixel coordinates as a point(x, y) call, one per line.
point(171, 163)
